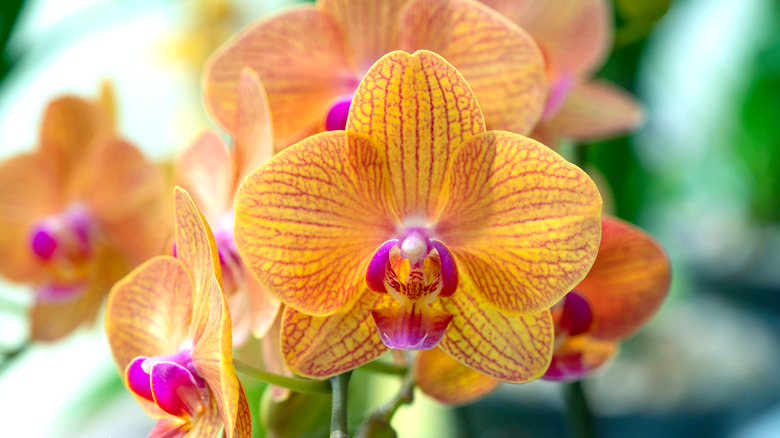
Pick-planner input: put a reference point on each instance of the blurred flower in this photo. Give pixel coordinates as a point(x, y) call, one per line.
point(624, 288)
point(77, 213)
point(169, 329)
point(211, 173)
point(211, 23)
point(312, 58)
point(467, 237)
point(575, 36)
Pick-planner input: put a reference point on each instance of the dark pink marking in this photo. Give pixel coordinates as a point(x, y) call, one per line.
point(175, 390)
point(567, 368)
point(43, 241)
point(576, 316)
point(411, 329)
point(375, 274)
point(139, 380)
point(337, 116)
point(449, 270)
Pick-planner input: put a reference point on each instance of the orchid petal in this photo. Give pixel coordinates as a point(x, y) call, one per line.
point(254, 131)
point(138, 380)
point(208, 423)
point(243, 417)
point(308, 220)
point(175, 391)
point(578, 357)
point(627, 283)
point(370, 27)
point(272, 356)
point(575, 35)
point(500, 61)
point(170, 427)
point(321, 347)
point(148, 312)
point(300, 57)
point(522, 222)
point(512, 348)
point(126, 194)
point(206, 170)
point(263, 305)
point(418, 108)
point(596, 110)
point(28, 192)
point(448, 381)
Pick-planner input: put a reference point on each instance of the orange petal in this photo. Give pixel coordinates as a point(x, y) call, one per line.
point(512, 348)
point(321, 347)
point(244, 417)
point(417, 108)
point(578, 357)
point(254, 135)
point(208, 424)
point(300, 57)
point(128, 198)
point(596, 110)
point(522, 222)
point(448, 381)
point(309, 219)
point(574, 34)
point(370, 27)
point(500, 61)
point(264, 306)
point(148, 312)
point(628, 281)
point(28, 192)
point(273, 361)
point(207, 170)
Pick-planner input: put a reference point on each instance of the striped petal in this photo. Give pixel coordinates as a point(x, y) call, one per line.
point(321, 347)
point(370, 27)
point(522, 223)
point(418, 109)
point(309, 219)
point(28, 192)
point(148, 312)
point(254, 132)
point(512, 348)
point(448, 381)
point(206, 171)
point(628, 281)
point(500, 61)
point(300, 57)
point(574, 34)
point(596, 110)
point(578, 357)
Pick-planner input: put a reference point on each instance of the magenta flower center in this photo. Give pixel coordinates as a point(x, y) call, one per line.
point(67, 235)
point(336, 119)
point(415, 270)
point(576, 315)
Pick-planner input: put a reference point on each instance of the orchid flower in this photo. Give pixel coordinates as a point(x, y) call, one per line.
point(169, 329)
point(77, 213)
point(416, 228)
point(624, 288)
point(311, 59)
point(211, 172)
point(575, 37)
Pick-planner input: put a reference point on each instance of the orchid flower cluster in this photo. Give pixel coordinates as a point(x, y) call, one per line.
point(392, 184)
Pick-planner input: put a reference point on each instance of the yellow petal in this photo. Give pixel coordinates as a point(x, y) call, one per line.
point(511, 348)
point(370, 27)
point(523, 223)
point(417, 108)
point(300, 57)
point(596, 110)
point(254, 135)
point(321, 347)
point(309, 219)
point(148, 312)
point(627, 283)
point(501, 62)
point(448, 381)
point(206, 171)
point(28, 193)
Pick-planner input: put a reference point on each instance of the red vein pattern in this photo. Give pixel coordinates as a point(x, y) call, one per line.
point(448, 381)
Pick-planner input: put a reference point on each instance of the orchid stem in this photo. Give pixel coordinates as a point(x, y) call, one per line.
point(292, 383)
point(380, 420)
point(10, 356)
point(338, 418)
point(578, 414)
point(385, 368)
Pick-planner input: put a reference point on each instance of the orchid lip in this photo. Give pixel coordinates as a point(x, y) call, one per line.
point(43, 241)
point(558, 93)
point(576, 316)
point(336, 120)
point(65, 234)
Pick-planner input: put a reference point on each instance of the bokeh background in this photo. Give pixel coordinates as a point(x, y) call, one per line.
point(702, 175)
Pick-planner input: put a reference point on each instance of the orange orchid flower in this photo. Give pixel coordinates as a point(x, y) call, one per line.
point(77, 213)
point(211, 173)
point(311, 59)
point(624, 288)
point(575, 37)
point(169, 329)
point(416, 228)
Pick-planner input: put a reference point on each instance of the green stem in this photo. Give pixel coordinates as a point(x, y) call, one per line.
point(10, 356)
point(292, 383)
point(338, 418)
point(578, 414)
point(385, 368)
point(379, 422)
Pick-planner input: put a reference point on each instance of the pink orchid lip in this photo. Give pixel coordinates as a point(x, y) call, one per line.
point(68, 233)
point(336, 120)
point(576, 315)
point(60, 293)
point(43, 241)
